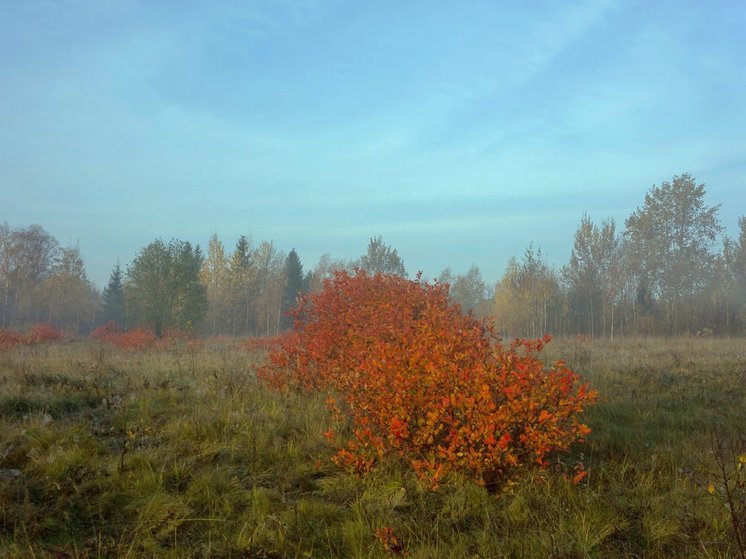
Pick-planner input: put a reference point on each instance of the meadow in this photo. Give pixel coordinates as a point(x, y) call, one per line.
point(181, 452)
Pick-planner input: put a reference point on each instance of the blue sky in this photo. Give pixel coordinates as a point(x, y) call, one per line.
point(459, 131)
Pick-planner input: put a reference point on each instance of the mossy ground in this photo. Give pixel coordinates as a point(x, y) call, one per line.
point(183, 454)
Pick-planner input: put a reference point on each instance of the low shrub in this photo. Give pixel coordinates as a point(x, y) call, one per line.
point(136, 340)
point(9, 339)
point(43, 333)
point(131, 340)
point(37, 334)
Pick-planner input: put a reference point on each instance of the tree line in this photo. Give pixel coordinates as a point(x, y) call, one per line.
point(670, 270)
point(168, 285)
point(41, 281)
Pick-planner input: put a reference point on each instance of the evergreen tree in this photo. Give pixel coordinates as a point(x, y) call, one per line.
point(191, 296)
point(113, 298)
point(242, 287)
point(295, 284)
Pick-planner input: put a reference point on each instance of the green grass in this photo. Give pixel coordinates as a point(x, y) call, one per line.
point(175, 454)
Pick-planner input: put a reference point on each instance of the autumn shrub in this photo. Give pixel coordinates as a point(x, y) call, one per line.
point(138, 339)
point(9, 339)
point(37, 334)
point(43, 333)
point(419, 379)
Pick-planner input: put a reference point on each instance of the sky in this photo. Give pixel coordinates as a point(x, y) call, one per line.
point(461, 132)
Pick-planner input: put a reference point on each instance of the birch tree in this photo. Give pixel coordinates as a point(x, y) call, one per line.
point(671, 238)
point(215, 275)
point(380, 258)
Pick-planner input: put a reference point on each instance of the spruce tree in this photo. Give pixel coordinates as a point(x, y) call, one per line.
point(295, 284)
point(113, 298)
point(243, 287)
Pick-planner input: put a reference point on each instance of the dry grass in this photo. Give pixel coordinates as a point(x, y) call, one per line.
point(184, 454)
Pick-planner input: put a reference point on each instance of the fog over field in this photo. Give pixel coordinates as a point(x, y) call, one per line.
point(316, 278)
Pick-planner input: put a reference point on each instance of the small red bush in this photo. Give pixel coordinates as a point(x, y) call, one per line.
point(136, 340)
point(132, 340)
point(139, 339)
point(43, 333)
point(9, 339)
point(37, 334)
point(420, 379)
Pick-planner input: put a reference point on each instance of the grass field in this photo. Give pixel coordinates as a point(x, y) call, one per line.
point(181, 453)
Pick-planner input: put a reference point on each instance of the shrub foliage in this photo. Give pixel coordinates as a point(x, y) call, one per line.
point(138, 339)
point(419, 379)
point(36, 334)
